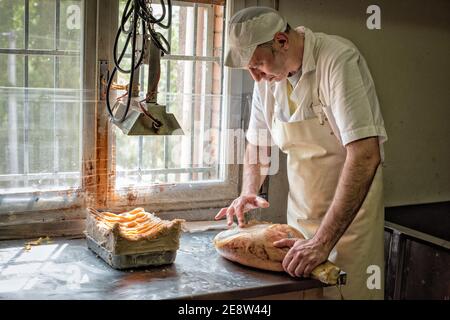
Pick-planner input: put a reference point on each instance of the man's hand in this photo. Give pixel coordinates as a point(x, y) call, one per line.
point(303, 256)
point(239, 207)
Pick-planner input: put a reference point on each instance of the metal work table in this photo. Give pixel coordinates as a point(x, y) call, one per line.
point(67, 269)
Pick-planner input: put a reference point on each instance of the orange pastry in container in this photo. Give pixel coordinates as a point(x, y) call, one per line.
point(134, 238)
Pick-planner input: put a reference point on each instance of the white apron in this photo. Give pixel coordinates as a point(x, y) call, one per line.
point(315, 159)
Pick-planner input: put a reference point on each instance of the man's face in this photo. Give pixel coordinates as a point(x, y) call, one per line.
point(268, 63)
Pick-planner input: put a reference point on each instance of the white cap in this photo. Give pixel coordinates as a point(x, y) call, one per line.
point(249, 28)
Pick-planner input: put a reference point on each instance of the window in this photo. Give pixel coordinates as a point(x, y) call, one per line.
point(191, 87)
point(40, 101)
point(59, 150)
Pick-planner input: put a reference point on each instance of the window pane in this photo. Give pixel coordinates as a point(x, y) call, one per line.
point(11, 138)
point(41, 124)
point(13, 66)
point(12, 15)
point(41, 137)
point(41, 71)
point(42, 24)
point(182, 37)
point(70, 25)
point(67, 128)
point(126, 159)
point(182, 77)
point(69, 75)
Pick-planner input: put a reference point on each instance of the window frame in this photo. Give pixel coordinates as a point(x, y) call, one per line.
point(173, 58)
point(53, 199)
point(64, 211)
point(59, 212)
point(179, 197)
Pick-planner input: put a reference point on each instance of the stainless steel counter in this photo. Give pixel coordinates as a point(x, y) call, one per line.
point(67, 269)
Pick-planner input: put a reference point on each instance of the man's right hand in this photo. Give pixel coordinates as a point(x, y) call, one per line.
point(239, 207)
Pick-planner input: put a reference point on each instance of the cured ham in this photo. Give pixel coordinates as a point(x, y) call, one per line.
point(252, 246)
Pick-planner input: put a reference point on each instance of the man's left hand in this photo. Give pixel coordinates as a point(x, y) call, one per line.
point(303, 256)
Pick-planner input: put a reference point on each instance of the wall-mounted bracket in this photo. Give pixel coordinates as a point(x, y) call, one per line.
point(103, 79)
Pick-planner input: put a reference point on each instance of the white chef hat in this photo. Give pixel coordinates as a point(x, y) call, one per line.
point(249, 28)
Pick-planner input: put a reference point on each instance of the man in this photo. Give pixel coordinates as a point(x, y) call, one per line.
point(314, 94)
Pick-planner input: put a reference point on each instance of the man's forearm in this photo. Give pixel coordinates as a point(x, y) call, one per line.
point(253, 175)
point(353, 186)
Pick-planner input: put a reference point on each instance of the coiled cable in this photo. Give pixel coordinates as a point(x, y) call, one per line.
point(137, 13)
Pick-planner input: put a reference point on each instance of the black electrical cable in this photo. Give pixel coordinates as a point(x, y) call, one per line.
point(140, 13)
